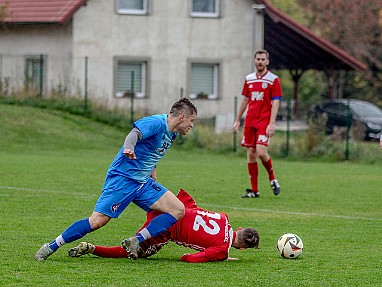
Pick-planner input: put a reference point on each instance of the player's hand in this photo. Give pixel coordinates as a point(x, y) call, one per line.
point(270, 130)
point(236, 126)
point(129, 153)
point(232, 259)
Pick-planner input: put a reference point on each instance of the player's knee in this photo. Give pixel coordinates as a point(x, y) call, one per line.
point(264, 156)
point(252, 157)
point(97, 220)
point(179, 212)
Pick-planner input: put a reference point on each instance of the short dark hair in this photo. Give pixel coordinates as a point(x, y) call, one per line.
point(184, 105)
point(263, 51)
point(249, 238)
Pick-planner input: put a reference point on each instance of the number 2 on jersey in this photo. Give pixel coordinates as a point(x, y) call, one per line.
point(200, 222)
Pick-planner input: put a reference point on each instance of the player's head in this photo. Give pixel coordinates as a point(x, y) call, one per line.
point(248, 238)
point(183, 106)
point(261, 60)
point(261, 52)
point(182, 114)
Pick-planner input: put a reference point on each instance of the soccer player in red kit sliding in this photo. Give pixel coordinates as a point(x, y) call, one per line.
point(261, 94)
point(210, 233)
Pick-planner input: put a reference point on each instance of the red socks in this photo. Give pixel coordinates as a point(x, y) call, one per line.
point(110, 252)
point(253, 170)
point(269, 168)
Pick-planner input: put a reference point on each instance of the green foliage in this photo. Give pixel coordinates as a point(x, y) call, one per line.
point(312, 85)
point(293, 9)
point(113, 117)
point(353, 26)
point(309, 145)
point(3, 11)
point(47, 182)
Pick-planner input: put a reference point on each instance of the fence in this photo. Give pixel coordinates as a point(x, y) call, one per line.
point(300, 130)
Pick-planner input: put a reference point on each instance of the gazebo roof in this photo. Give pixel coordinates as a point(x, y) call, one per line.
point(292, 46)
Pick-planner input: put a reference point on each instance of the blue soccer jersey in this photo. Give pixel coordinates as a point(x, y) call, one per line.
point(156, 140)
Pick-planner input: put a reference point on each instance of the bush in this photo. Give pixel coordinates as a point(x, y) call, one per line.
point(311, 144)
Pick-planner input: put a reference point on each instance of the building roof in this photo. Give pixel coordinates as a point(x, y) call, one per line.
point(292, 46)
point(40, 11)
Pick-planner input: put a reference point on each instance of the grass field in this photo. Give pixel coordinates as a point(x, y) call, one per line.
point(51, 172)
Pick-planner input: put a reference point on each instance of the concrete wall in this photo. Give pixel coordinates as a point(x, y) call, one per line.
point(52, 41)
point(169, 37)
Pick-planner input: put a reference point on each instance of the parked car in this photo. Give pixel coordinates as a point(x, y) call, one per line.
point(365, 117)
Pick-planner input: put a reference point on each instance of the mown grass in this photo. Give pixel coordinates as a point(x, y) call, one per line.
point(52, 168)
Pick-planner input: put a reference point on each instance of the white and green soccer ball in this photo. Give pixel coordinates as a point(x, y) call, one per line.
point(290, 246)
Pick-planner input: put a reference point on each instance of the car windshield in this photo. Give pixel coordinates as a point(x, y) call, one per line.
point(366, 110)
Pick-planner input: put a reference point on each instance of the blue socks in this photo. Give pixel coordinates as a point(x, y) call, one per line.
point(82, 227)
point(75, 231)
point(157, 226)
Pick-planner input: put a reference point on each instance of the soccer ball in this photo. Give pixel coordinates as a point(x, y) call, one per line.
point(290, 246)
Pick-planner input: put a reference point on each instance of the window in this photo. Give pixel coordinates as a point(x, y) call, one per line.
point(204, 81)
point(125, 70)
point(34, 72)
point(136, 7)
point(205, 8)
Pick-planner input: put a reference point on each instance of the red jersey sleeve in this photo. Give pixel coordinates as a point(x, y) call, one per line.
point(208, 255)
point(186, 199)
point(276, 93)
point(245, 92)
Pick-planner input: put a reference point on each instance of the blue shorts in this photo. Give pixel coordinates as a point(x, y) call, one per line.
point(118, 192)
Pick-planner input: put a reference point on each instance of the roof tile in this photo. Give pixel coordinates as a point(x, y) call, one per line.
point(40, 11)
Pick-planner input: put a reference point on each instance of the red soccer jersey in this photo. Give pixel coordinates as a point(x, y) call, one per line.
point(260, 91)
point(210, 233)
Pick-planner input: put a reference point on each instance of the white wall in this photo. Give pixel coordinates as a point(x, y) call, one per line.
point(169, 37)
point(53, 41)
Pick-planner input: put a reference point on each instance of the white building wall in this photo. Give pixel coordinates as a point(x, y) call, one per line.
point(169, 37)
point(52, 41)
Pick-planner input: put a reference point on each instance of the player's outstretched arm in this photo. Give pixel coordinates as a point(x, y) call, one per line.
point(130, 142)
point(210, 254)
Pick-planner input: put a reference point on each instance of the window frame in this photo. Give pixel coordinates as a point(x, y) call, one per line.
point(125, 11)
point(216, 78)
point(144, 62)
point(31, 58)
point(215, 14)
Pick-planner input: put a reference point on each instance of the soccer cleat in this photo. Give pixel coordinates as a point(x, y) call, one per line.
point(82, 249)
point(275, 187)
point(131, 245)
point(43, 253)
point(250, 194)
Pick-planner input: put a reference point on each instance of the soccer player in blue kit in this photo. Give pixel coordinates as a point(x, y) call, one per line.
point(131, 178)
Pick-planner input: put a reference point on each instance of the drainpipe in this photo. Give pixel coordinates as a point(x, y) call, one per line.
point(258, 27)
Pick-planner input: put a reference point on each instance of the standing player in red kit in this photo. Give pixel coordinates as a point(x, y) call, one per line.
point(210, 233)
point(261, 94)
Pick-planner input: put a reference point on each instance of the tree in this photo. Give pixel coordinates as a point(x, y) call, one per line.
point(3, 10)
point(354, 26)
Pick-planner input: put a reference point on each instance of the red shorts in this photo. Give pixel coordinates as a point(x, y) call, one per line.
point(255, 135)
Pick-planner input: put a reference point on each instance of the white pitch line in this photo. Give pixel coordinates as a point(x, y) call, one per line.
point(294, 213)
point(213, 205)
point(83, 194)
